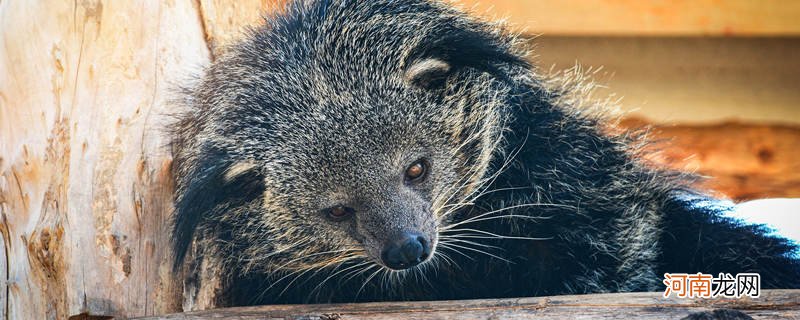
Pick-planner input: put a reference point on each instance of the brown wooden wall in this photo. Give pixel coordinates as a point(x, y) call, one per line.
point(741, 161)
point(751, 18)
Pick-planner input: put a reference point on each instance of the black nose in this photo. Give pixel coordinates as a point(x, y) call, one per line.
point(408, 250)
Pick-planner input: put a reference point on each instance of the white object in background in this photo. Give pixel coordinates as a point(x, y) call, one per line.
point(782, 215)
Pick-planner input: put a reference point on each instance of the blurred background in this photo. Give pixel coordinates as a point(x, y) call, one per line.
point(718, 80)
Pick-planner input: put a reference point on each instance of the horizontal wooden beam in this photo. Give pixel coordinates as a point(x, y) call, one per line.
point(646, 17)
point(773, 304)
point(743, 161)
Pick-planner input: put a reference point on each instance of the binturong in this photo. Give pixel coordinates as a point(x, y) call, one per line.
point(402, 150)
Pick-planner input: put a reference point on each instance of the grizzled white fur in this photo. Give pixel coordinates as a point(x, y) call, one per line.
point(330, 102)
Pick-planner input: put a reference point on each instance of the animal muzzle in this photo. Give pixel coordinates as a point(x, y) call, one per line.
point(406, 250)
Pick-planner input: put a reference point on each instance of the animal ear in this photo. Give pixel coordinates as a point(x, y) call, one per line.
point(453, 50)
point(240, 172)
point(427, 73)
point(215, 184)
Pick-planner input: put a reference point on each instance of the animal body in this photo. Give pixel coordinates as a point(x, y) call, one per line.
point(401, 150)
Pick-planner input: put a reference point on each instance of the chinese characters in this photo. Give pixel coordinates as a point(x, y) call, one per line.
point(702, 285)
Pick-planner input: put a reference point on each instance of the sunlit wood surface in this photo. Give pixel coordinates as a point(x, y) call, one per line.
point(740, 161)
point(773, 304)
point(647, 17)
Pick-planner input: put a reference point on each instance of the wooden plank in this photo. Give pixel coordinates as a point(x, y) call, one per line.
point(743, 161)
point(773, 304)
point(225, 19)
point(647, 17)
point(687, 79)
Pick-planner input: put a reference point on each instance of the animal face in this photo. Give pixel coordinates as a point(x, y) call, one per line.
point(363, 171)
point(308, 151)
point(368, 173)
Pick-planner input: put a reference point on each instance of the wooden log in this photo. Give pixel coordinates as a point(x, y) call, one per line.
point(646, 17)
point(85, 189)
point(742, 161)
point(767, 18)
point(772, 304)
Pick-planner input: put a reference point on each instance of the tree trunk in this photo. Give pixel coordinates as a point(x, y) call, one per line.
point(85, 190)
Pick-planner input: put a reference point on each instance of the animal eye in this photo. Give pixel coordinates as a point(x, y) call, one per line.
point(339, 213)
point(417, 171)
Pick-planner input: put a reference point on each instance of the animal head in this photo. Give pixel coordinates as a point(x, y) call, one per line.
point(343, 131)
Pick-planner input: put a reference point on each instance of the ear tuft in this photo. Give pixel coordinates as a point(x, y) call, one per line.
point(428, 73)
point(237, 171)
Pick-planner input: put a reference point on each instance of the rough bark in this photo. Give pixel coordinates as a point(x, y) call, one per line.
point(85, 190)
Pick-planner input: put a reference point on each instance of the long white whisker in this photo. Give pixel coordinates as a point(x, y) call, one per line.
point(488, 246)
point(319, 286)
point(524, 205)
point(505, 216)
point(303, 271)
point(490, 235)
point(362, 271)
point(367, 281)
point(446, 246)
point(480, 189)
point(479, 251)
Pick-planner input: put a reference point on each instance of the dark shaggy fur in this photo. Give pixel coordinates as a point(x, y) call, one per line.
point(526, 195)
